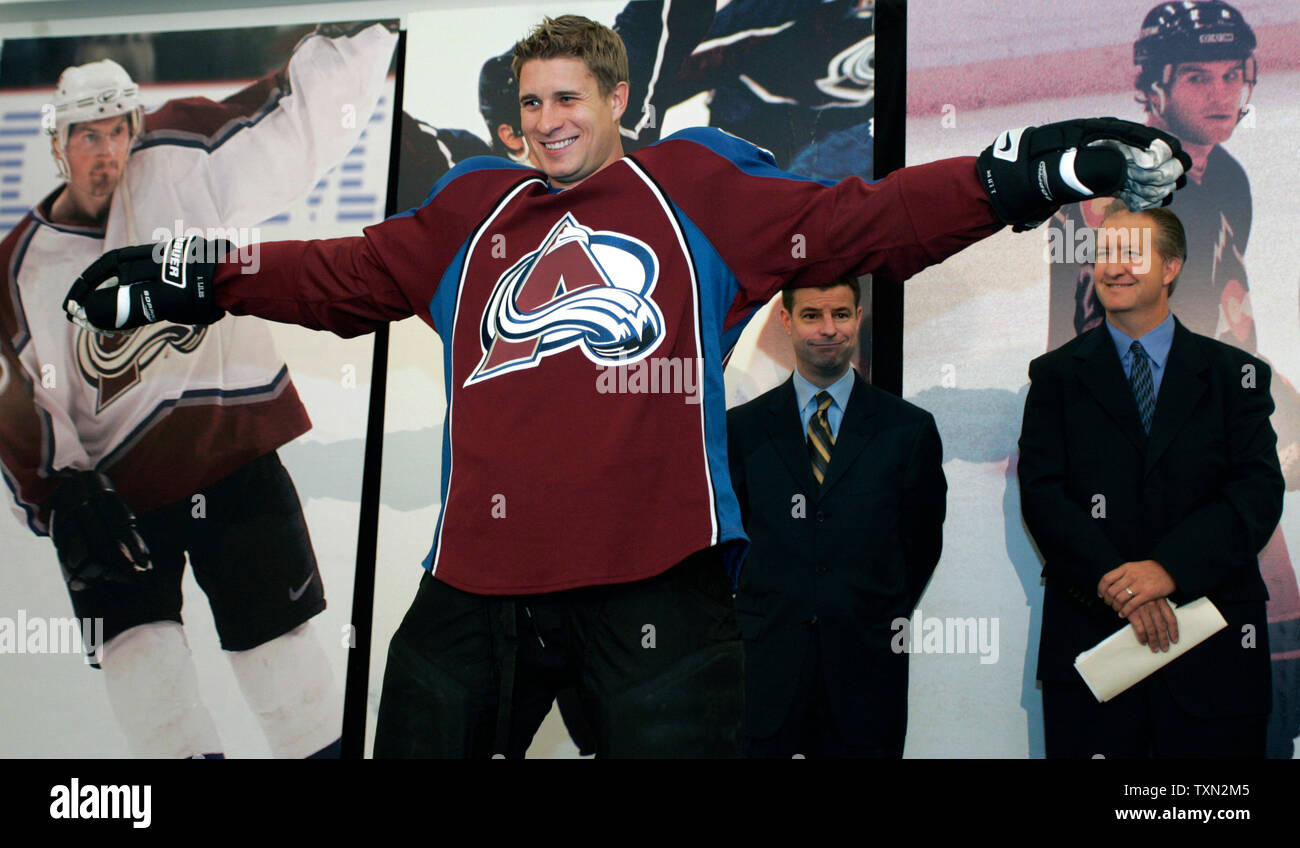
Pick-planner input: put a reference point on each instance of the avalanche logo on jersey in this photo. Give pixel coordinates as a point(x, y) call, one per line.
point(112, 363)
point(581, 288)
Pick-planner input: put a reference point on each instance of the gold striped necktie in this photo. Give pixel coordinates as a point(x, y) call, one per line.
point(820, 440)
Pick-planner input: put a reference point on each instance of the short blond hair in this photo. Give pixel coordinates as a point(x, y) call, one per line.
point(573, 36)
point(1170, 239)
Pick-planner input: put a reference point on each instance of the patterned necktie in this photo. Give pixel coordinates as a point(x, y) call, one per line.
point(820, 440)
point(1144, 390)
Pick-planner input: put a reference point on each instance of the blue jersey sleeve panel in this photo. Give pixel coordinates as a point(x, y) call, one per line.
point(750, 158)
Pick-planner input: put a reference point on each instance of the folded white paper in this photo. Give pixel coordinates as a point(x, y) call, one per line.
point(1120, 660)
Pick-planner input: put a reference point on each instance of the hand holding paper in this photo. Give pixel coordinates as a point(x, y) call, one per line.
point(1120, 660)
point(1155, 625)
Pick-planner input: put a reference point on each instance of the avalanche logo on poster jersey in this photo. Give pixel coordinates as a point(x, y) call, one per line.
point(851, 75)
point(112, 363)
point(580, 288)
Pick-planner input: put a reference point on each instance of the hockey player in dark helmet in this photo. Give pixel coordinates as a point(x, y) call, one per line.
point(498, 103)
point(1197, 72)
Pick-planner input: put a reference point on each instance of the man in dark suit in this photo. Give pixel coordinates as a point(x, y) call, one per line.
point(1149, 475)
point(842, 492)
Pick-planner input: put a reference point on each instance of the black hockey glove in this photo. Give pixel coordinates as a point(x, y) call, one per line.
point(1030, 172)
point(165, 281)
point(94, 532)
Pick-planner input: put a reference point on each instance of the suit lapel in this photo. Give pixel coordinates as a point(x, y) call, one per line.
point(855, 433)
point(791, 443)
point(1181, 389)
point(1102, 375)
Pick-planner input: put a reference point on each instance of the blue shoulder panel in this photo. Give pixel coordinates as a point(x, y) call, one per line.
point(469, 166)
point(750, 158)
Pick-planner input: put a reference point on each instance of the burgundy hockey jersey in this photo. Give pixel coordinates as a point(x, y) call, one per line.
point(584, 335)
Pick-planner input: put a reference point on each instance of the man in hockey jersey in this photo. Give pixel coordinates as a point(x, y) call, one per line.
point(1196, 73)
point(160, 442)
point(588, 521)
point(658, 36)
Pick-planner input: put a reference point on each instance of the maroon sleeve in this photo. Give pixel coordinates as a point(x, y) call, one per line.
point(339, 285)
point(772, 228)
point(351, 286)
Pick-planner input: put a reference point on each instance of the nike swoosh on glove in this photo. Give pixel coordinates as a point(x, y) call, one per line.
point(1031, 172)
point(166, 281)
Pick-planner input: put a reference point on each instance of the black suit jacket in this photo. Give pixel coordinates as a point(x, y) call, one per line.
point(842, 569)
point(1200, 495)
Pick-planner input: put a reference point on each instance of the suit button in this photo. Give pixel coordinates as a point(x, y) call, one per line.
point(812, 622)
point(821, 569)
point(821, 516)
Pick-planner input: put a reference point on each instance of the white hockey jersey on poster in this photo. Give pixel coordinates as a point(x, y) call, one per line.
point(168, 409)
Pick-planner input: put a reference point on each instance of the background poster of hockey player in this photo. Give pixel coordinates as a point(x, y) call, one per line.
point(257, 153)
point(974, 323)
point(796, 77)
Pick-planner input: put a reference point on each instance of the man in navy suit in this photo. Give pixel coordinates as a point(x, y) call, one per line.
point(1149, 475)
point(842, 492)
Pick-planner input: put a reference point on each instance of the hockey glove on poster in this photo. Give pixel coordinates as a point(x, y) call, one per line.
point(167, 281)
point(94, 532)
point(1030, 172)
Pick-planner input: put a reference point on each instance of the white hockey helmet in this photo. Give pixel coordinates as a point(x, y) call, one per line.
point(92, 92)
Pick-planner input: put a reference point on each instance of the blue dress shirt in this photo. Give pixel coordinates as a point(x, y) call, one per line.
point(806, 395)
point(1156, 343)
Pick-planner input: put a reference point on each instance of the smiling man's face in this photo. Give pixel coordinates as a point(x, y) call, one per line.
point(571, 127)
point(1131, 277)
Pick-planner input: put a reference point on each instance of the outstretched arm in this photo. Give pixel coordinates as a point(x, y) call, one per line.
point(341, 285)
point(348, 286)
point(263, 148)
point(776, 228)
